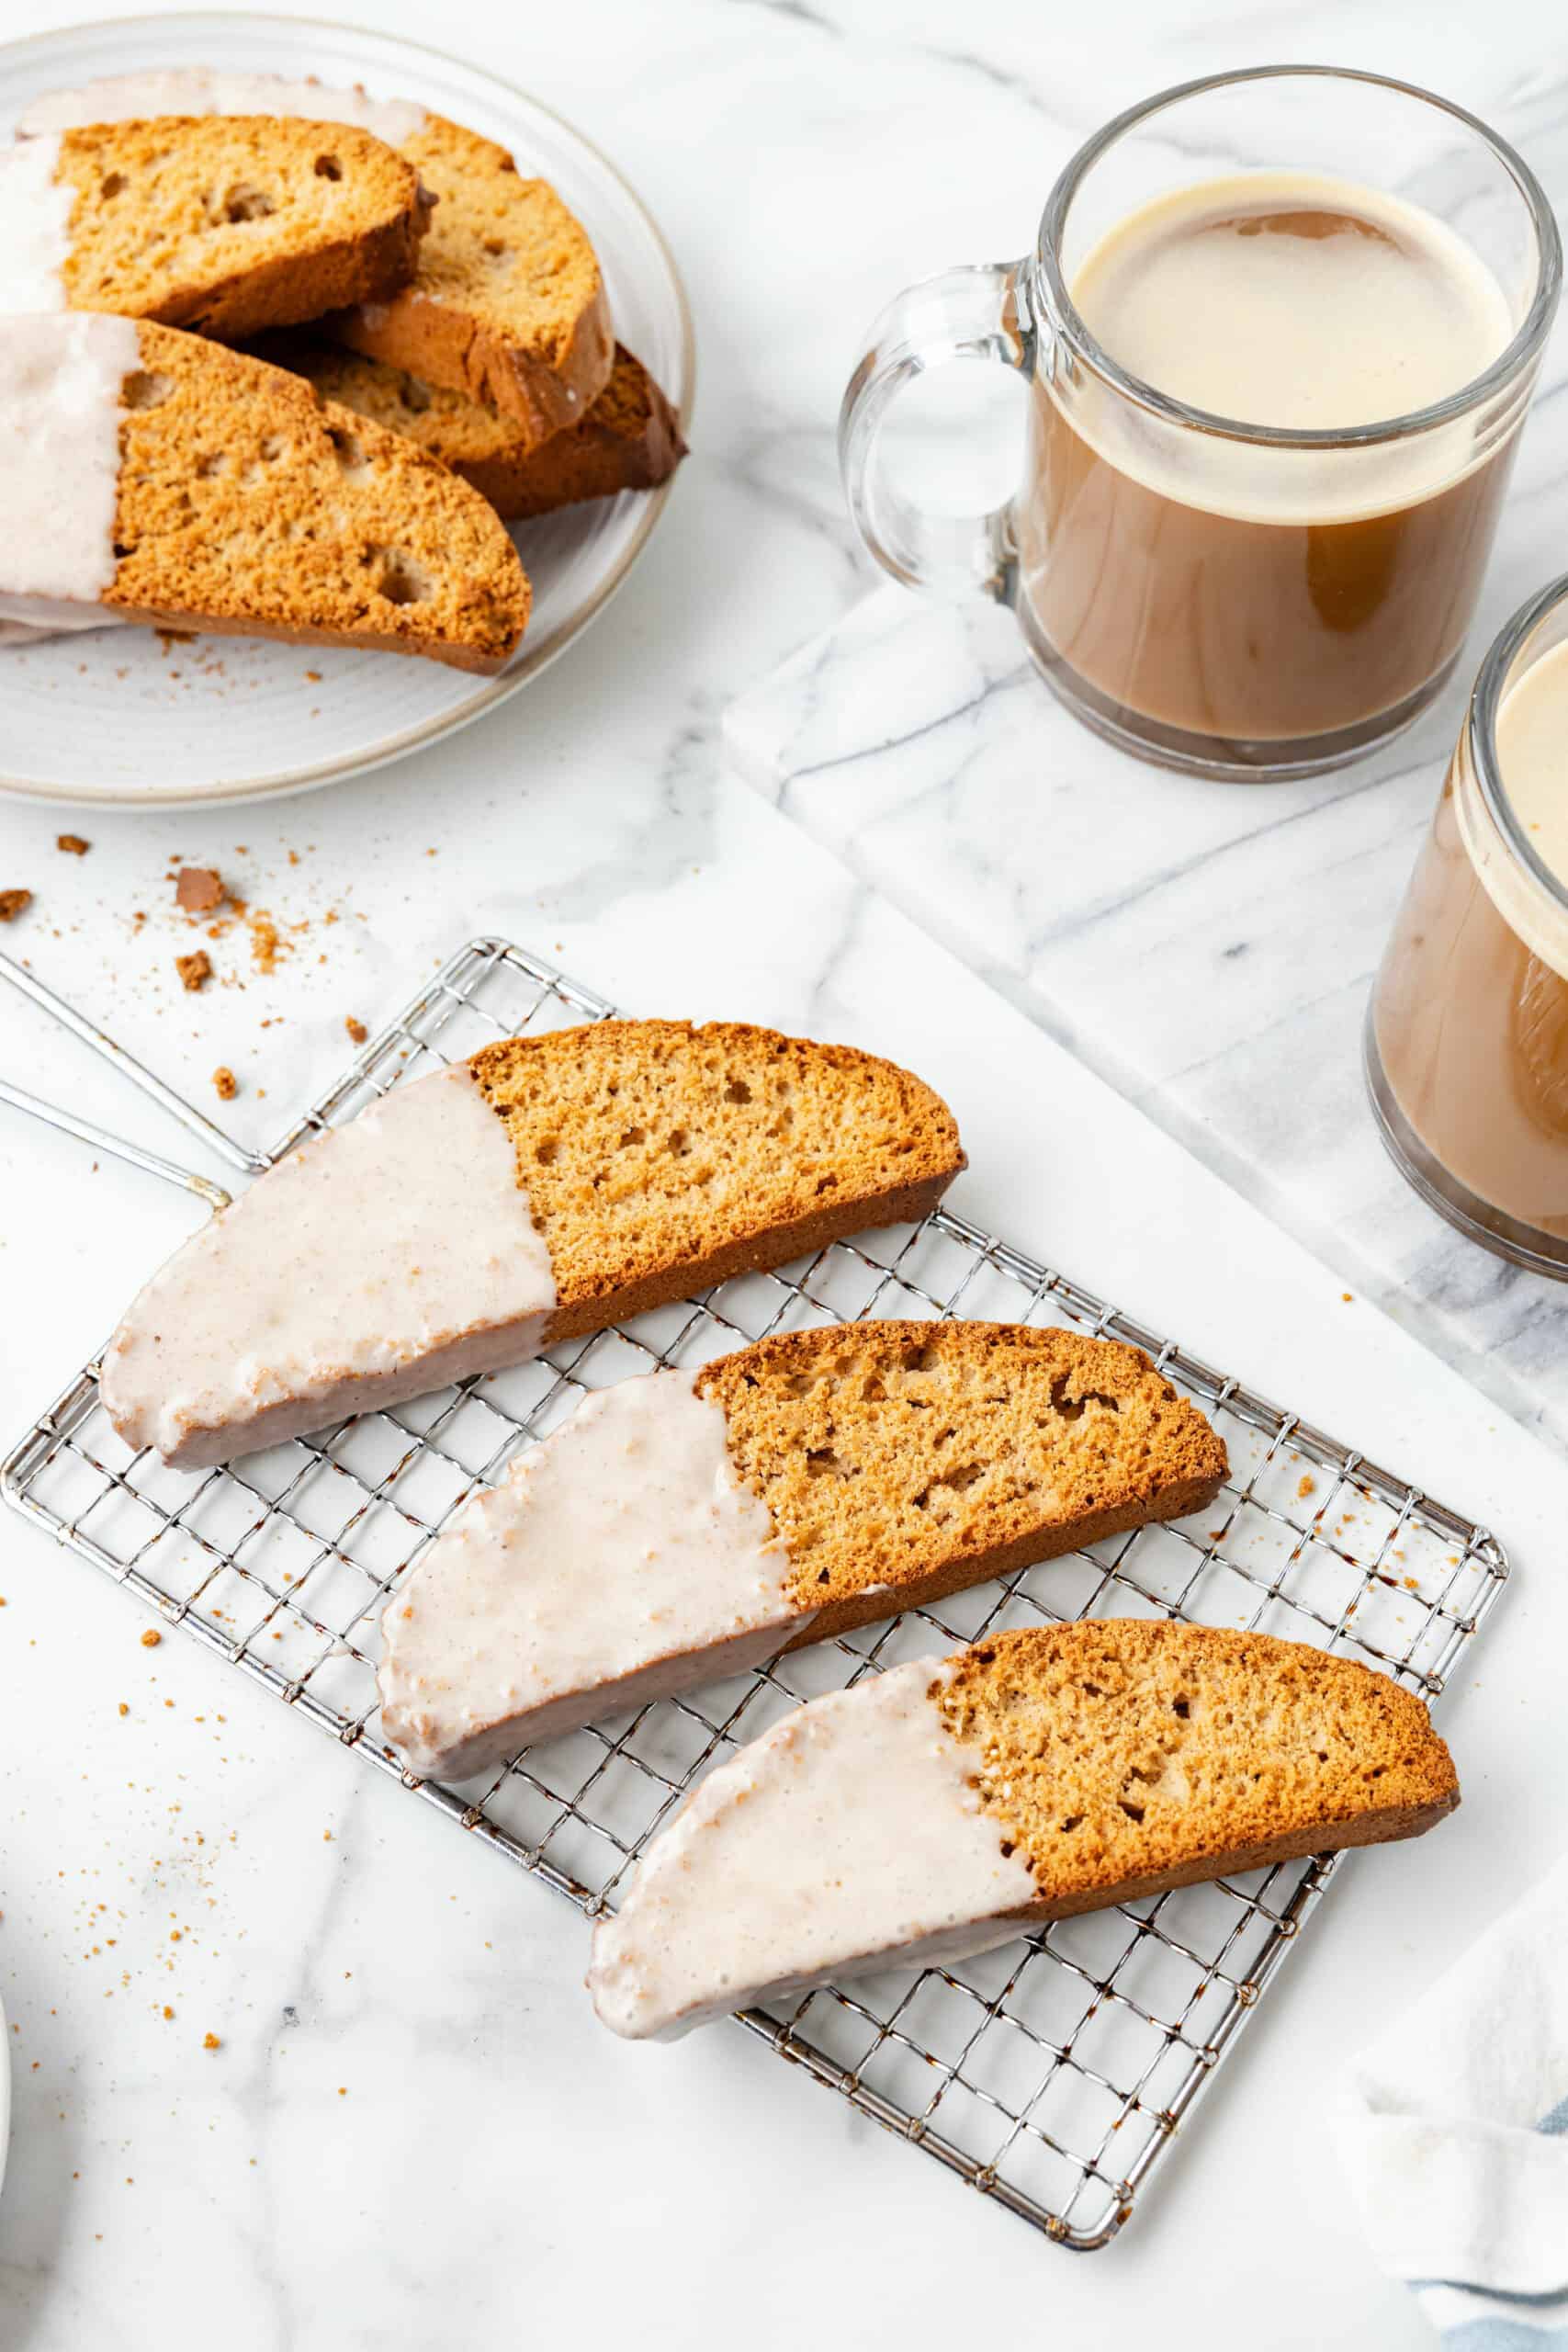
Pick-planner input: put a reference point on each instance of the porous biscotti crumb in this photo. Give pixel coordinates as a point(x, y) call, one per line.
point(13, 903)
point(357, 1030)
point(224, 1080)
point(195, 971)
point(73, 844)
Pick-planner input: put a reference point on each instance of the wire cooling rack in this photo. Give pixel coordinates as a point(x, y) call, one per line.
point(1051, 2075)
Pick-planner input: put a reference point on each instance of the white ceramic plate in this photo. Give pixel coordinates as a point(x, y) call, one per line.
point(114, 715)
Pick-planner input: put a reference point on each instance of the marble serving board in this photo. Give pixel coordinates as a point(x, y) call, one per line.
point(1207, 947)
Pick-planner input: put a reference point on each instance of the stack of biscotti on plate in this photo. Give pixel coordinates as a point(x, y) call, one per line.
point(362, 508)
point(494, 351)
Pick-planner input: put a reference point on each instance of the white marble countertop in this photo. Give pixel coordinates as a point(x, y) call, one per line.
point(411, 2131)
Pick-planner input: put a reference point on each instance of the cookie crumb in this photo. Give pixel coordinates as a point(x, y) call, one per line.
point(151, 1638)
point(123, 1708)
point(357, 1030)
point(267, 941)
point(210, 2042)
point(224, 1080)
point(196, 971)
point(198, 889)
point(13, 903)
point(73, 844)
point(1306, 1487)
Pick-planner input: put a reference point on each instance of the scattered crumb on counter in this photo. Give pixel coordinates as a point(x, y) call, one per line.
point(195, 971)
point(227, 1085)
point(266, 942)
point(151, 1638)
point(210, 2042)
point(13, 903)
point(1348, 1297)
point(1305, 1488)
point(357, 1030)
point(124, 1708)
point(72, 845)
point(198, 889)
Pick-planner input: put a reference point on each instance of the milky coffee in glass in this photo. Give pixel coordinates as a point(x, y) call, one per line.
point(1243, 599)
point(1467, 1042)
point(1272, 411)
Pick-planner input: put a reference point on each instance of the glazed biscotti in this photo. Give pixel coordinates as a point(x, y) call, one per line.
point(506, 304)
point(940, 1809)
point(224, 227)
point(545, 1188)
point(630, 438)
point(683, 1527)
point(167, 479)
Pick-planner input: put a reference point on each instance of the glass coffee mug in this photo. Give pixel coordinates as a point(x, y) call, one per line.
point(1467, 1033)
point(1237, 599)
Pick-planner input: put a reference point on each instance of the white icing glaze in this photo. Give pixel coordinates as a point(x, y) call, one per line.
point(35, 226)
point(849, 1834)
point(61, 378)
point(33, 620)
point(379, 1261)
point(619, 1562)
point(128, 97)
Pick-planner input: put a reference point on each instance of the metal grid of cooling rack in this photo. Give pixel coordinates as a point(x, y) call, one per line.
point(1051, 2075)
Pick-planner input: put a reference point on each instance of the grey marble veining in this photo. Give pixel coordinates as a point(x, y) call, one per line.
point(412, 2134)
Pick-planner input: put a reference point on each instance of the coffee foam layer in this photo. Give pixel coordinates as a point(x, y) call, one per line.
point(1293, 302)
point(1532, 759)
point(1532, 755)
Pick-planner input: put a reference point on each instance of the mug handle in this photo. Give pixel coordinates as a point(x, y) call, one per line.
point(979, 311)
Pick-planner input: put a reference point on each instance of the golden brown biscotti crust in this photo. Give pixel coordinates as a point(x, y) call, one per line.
point(507, 305)
point(659, 1156)
point(247, 507)
point(903, 1462)
point(1191, 1752)
point(228, 225)
point(630, 438)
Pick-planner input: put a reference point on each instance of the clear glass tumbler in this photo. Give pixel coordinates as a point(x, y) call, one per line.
point(1231, 599)
point(1466, 1032)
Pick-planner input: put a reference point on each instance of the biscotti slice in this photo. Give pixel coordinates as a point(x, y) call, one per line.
point(544, 1189)
point(167, 479)
point(224, 227)
point(683, 1527)
point(630, 438)
point(507, 304)
point(940, 1809)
